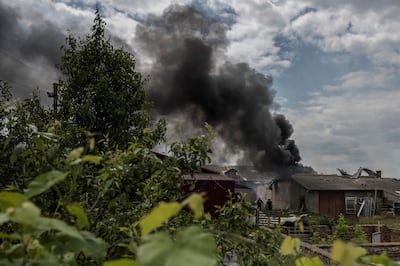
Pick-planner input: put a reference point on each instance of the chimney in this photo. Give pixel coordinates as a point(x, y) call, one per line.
point(378, 173)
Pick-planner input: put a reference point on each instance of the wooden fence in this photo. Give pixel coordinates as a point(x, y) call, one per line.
point(272, 219)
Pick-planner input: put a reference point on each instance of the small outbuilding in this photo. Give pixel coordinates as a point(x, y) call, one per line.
point(331, 195)
point(217, 189)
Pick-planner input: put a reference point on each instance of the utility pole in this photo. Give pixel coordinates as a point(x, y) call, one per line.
point(54, 95)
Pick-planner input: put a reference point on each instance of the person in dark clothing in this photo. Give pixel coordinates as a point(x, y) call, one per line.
point(259, 203)
point(269, 204)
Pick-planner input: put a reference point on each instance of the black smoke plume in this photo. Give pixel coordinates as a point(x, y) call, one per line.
point(28, 53)
point(234, 98)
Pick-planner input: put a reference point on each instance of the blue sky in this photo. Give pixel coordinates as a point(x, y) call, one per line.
point(335, 64)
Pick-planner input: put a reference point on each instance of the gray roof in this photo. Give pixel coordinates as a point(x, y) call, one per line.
point(243, 172)
point(334, 182)
point(207, 176)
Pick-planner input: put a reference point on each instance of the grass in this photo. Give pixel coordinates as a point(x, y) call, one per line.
point(389, 220)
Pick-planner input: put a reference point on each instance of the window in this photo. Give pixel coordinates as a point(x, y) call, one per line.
point(351, 205)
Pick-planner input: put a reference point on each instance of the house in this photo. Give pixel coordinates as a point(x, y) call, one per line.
point(331, 195)
point(217, 188)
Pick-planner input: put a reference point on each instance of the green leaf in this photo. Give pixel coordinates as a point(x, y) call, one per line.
point(75, 154)
point(76, 210)
point(91, 144)
point(290, 246)
point(381, 259)
point(8, 236)
point(94, 247)
point(58, 225)
point(191, 247)
point(158, 216)
point(27, 214)
point(346, 253)
point(13, 158)
point(196, 203)
point(10, 199)
point(121, 262)
point(315, 261)
point(44, 181)
point(4, 218)
point(92, 159)
point(155, 249)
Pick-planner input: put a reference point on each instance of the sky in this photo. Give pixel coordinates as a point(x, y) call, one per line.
point(334, 65)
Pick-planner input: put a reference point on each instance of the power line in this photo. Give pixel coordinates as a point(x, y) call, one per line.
point(13, 84)
point(17, 59)
point(20, 61)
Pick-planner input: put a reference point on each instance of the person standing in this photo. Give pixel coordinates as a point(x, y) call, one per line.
point(269, 204)
point(259, 203)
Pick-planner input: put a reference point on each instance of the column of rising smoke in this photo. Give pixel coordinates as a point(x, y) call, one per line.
point(233, 98)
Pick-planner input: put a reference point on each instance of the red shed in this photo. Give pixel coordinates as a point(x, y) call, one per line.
point(216, 186)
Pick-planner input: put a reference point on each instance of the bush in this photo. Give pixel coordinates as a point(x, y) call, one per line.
point(342, 228)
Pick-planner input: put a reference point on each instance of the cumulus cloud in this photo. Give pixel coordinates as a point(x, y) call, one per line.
point(364, 80)
point(31, 39)
point(354, 27)
point(253, 35)
point(346, 121)
point(348, 131)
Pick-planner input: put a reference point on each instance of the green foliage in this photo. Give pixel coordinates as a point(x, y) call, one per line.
point(121, 262)
point(83, 186)
point(341, 229)
point(20, 123)
point(315, 238)
point(101, 92)
point(76, 210)
point(43, 182)
point(292, 247)
point(382, 259)
point(346, 254)
point(190, 246)
point(41, 240)
point(342, 254)
point(359, 236)
point(252, 244)
point(191, 155)
point(325, 220)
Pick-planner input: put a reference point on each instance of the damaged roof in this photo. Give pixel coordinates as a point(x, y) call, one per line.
point(241, 172)
point(207, 176)
point(335, 182)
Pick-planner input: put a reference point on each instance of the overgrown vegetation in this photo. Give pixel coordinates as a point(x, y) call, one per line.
point(81, 185)
point(79, 181)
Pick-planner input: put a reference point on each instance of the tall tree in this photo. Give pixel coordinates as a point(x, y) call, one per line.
point(101, 92)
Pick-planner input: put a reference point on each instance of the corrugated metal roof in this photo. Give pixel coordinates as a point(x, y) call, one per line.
point(334, 182)
point(207, 176)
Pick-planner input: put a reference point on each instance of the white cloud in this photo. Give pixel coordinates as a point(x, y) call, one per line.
point(363, 80)
point(58, 13)
point(352, 28)
point(121, 26)
point(357, 126)
point(348, 131)
point(252, 37)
